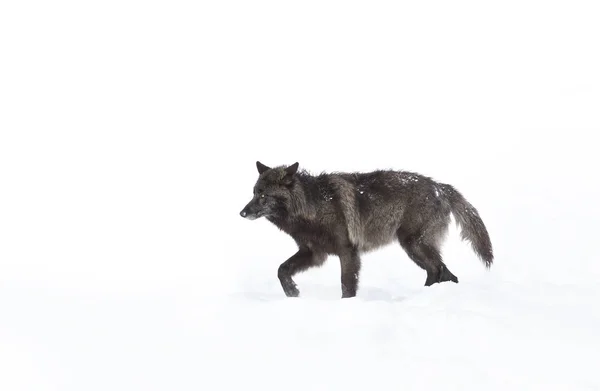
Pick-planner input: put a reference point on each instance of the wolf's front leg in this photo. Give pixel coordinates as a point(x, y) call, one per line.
point(302, 260)
point(350, 267)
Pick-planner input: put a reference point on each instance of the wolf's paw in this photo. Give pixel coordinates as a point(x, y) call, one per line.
point(290, 290)
point(440, 276)
point(446, 275)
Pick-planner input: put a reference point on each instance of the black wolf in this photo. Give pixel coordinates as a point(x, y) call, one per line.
point(348, 214)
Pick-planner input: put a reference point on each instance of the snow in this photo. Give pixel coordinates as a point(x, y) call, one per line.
point(129, 133)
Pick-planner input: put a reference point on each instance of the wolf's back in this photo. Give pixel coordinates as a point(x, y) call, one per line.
point(473, 229)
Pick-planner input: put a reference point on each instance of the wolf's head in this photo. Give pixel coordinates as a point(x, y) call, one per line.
point(273, 192)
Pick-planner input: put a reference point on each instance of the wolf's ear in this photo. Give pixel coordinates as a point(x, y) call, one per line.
point(261, 167)
point(288, 179)
point(291, 170)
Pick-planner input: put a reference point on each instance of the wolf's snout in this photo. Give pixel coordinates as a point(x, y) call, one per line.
point(243, 213)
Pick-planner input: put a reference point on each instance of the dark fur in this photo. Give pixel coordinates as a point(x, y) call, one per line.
point(348, 214)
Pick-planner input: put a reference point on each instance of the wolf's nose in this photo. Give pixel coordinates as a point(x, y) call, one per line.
point(243, 213)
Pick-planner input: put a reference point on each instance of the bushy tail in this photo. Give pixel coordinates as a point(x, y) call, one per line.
point(472, 228)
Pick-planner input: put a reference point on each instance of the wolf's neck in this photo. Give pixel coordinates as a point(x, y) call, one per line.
point(283, 223)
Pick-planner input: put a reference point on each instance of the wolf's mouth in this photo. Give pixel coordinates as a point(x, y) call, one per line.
point(252, 216)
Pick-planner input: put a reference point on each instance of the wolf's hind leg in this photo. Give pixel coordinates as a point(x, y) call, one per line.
point(299, 262)
point(440, 272)
point(426, 256)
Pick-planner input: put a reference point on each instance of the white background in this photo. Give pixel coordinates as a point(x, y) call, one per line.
point(129, 133)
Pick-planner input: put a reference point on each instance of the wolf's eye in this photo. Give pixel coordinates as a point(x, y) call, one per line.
point(262, 196)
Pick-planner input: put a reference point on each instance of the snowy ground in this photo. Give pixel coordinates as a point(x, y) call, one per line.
point(128, 137)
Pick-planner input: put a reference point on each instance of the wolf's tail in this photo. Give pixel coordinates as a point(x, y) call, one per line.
point(472, 228)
